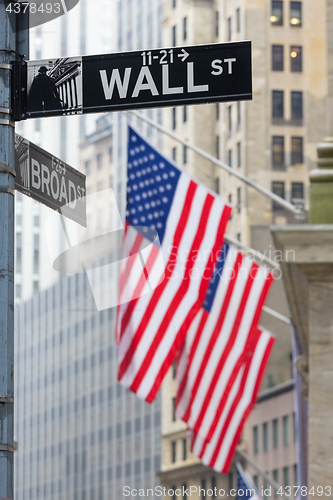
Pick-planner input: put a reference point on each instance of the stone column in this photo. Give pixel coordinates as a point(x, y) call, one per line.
point(308, 280)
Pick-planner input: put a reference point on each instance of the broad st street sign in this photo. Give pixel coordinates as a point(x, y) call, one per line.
point(132, 80)
point(49, 180)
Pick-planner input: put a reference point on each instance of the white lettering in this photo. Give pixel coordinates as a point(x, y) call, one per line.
point(230, 61)
point(122, 86)
point(165, 83)
point(45, 179)
point(193, 489)
point(54, 176)
point(216, 64)
point(63, 190)
point(190, 80)
point(71, 189)
point(150, 85)
point(126, 491)
point(35, 174)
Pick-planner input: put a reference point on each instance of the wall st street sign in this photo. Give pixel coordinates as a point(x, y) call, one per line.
point(49, 180)
point(132, 80)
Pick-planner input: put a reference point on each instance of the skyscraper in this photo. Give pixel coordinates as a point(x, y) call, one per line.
point(87, 29)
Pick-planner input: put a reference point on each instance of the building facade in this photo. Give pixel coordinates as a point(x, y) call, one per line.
point(80, 434)
point(271, 139)
point(271, 439)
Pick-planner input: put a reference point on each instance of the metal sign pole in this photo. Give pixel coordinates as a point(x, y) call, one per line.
point(7, 224)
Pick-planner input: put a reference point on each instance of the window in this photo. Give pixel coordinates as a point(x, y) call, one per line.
point(184, 154)
point(265, 435)
point(277, 57)
point(285, 476)
point(174, 497)
point(238, 20)
point(297, 193)
point(87, 167)
point(110, 154)
point(296, 58)
point(213, 484)
point(238, 113)
point(230, 201)
point(296, 14)
point(216, 23)
point(184, 114)
point(286, 430)
point(217, 146)
point(278, 151)
point(217, 185)
point(184, 487)
point(239, 200)
point(185, 28)
point(278, 189)
point(230, 480)
point(174, 154)
point(230, 158)
point(217, 108)
point(296, 150)
point(184, 449)
point(275, 421)
point(277, 104)
point(255, 440)
point(256, 481)
point(174, 116)
point(173, 451)
point(295, 475)
point(99, 161)
point(203, 488)
point(276, 479)
point(239, 154)
point(174, 36)
point(296, 105)
point(229, 29)
point(276, 18)
point(173, 4)
point(229, 119)
point(174, 368)
point(173, 409)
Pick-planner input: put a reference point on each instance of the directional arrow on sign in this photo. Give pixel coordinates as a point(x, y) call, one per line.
point(184, 55)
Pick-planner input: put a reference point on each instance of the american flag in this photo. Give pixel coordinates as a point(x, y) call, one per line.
point(218, 452)
point(190, 221)
point(246, 490)
point(215, 347)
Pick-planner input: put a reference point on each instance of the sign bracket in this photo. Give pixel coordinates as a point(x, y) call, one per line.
point(19, 90)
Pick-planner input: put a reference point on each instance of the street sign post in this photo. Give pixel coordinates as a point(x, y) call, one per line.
point(133, 80)
point(49, 180)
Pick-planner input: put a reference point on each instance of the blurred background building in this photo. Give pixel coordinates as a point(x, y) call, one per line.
point(271, 139)
point(80, 435)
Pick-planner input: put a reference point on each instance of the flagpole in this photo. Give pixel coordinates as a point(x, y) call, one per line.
point(260, 471)
point(224, 166)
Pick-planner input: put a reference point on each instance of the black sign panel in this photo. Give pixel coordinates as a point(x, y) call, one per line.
point(49, 180)
point(133, 80)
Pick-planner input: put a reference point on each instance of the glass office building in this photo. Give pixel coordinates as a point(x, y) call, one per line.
point(80, 434)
